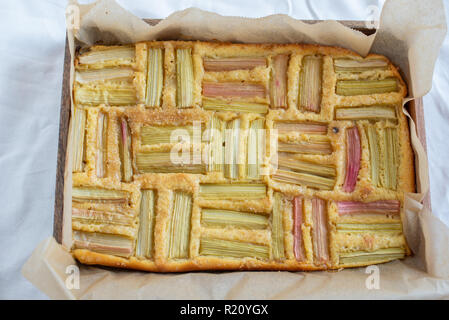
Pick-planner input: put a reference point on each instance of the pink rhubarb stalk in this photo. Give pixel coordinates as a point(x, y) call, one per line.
point(233, 89)
point(298, 248)
point(353, 155)
point(104, 243)
point(383, 207)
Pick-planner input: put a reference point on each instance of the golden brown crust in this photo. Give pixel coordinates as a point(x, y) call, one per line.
point(203, 263)
point(165, 184)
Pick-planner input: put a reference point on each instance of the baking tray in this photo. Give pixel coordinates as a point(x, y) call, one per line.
point(415, 108)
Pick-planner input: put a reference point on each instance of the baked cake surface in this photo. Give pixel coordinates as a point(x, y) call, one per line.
point(218, 156)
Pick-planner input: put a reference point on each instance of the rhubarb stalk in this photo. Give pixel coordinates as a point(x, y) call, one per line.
point(373, 142)
point(298, 248)
point(112, 244)
point(100, 217)
point(233, 249)
point(277, 229)
point(353, 155)
point(179, 226)
point(356, 66)
point(97, 195)
point(232, 191)
point(391, 158)
point(369, 113)
point(234, 106)
point(155, 77)
point(232, 144)
point(370, 257)
point(365, 87)
point(235, 219)
point(184, 77)
point(237, 63)
point(300, 127)
point(101, 152)
point(145, 239)
point(216, 140)
point(314, 145)
point(382, 207)
point(320, 231)
point(279, 81)
point(168, 162)
point(125, 151)
point(310, 83)
point(78, 136)
point(233, 89)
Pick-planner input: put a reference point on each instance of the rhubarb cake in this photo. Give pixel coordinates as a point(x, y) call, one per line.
point(219, 156)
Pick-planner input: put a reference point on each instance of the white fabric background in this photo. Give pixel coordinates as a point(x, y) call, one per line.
point(32, 38)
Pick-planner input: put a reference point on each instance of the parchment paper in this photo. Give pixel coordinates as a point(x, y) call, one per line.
point(410, 34)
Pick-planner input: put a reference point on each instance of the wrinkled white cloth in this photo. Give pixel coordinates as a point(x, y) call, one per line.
point(32, 40)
